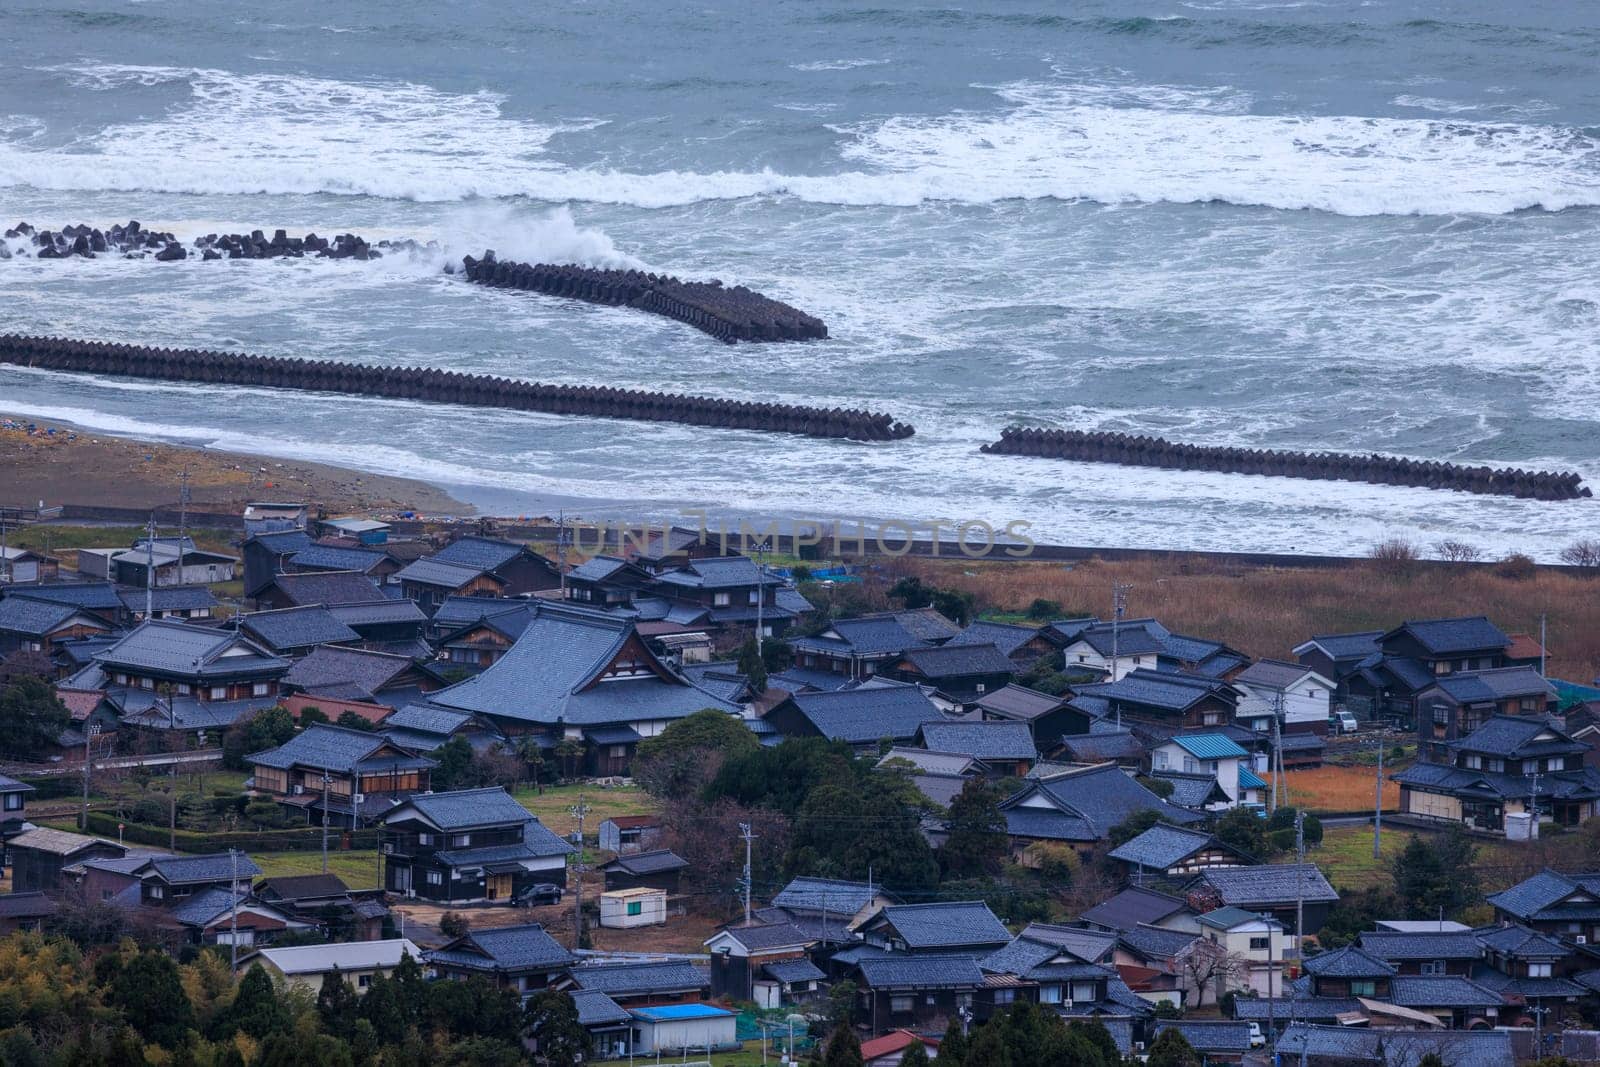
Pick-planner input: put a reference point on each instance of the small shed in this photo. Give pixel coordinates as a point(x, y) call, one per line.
point(630, 833)
point(622, 909)
point(659, 869)
point(681, 1027)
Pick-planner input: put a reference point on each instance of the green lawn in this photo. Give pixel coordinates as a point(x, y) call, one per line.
point(553, 806)
point(358, 868)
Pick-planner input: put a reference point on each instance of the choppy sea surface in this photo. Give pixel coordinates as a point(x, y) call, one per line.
point(1359, 225)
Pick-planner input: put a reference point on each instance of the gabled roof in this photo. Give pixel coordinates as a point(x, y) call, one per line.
point(1277, 674)
point(426, 719)
point(1089, 946)
point(1132, 637)
point(327, 588)
point(303, 887)
point(1155, 942)
point(168, 598)
point(952, 660)
point(866, 713)
point(980, 739)
point(190, 651)
point(1442, 991)
point(323, 746)
point(297, 627)
point(597, 1009)
point(1497, 684)
point(1164, 846)
point(1007, 637)
point(59, 842)
point(1101, 745)
point(552, 674)
point(1209, 746)
point(905, 971)
point(192, 870)
point(506, 949)
point(34, 905)
point(764, 937)
point(430, 570)
point(1443, 637)
point(282, 541)
point(483, 553)
point(94, 596)
point(1351, 646)
point(1348, 962)
point(718, 572)
point(827, 895)
point(1209, 1036)
point(1231, 918)
point(365, 674)
point(11, 785)
point(1088, 803)
point(1549, 894)
point(1518, 737)
point(657, 861)
point(1397, 1048)
point(348, 956)
point(1162, 690)
point(925, 624)
point(1018, 702)
point(1269, 884)
point(463, 809)
point(869, 635)
point(383, 612)
point(1521, 942)
point(1133, 907)
point(944, 764)
point(338, 558)
point(36, 618)
point(945, 925)
point(638, 979)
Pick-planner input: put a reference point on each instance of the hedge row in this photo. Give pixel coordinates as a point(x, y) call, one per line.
point(300, 839)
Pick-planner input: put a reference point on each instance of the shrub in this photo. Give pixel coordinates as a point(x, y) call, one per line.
point(1584, 554)
point(1458, 552)
point(1042, 609)
point(1517, 568)
point(1396, 556)
point(454, 924)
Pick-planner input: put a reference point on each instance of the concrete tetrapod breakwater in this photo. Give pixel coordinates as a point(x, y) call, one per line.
point(133, 241)
point(1135, 451)
point(727, 313)
point(445, 387)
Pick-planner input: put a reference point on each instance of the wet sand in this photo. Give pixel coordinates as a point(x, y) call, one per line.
point(88, 467)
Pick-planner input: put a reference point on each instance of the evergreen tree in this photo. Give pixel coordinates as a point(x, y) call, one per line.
point(149, 991)
point(844, 1048)
point(1172, 1050)
point(256, 1008)
point(953, 1047)
point(338, 1005)
point(1244, 830)
point(977, 844)
point(31, 718)
point(455, 765)
point(551, 1019)
point(753, 666)
point(916, 1055)
point(1437, 873)
point(989, 1049)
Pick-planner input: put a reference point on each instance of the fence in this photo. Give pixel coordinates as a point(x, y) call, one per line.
point(298, 839)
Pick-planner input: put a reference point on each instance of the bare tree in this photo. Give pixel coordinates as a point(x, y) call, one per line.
point(1396, 556)
point(1206, 963)
point(1584, 554)
point(1458, 552)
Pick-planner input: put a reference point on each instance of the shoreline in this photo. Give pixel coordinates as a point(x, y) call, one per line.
point(82, 466)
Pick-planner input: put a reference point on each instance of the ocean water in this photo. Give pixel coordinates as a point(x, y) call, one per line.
point(1361, 225)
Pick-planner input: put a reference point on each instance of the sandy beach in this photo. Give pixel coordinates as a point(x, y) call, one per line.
point(88, 467)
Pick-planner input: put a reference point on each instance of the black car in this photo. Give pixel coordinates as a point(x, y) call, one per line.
point(535, 896)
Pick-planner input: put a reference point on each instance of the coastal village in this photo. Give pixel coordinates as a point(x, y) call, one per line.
point(674, 796)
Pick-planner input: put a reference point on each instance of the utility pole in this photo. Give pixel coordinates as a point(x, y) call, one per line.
point(325, 820)
point(578, 810)
point(1299, 883)
point(150, 571)
point(1277, 747)
point(172, 770)
point(761, 591)
point(744, 832)
point(89, 734)
point(233, 919)
point(563, 538)
point(183, 517)
point(1119, 607)
point(1542, 652)
point(1377, 807)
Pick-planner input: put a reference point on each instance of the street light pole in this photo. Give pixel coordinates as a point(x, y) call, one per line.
point(91, 731)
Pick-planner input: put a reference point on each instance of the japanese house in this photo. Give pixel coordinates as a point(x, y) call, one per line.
point(468, 845)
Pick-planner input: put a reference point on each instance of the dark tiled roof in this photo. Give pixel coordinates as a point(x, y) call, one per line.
point(654, 862)
point(981, 740)
point(1444, 637)
point(720, 572)
point(637, 979)
point(867, 713)
point(297, 627)
point(304, 886)
point(435, 572)
point(324, 747)
point(926, 624)
point(826, 894)
point(1442, 991)
point(426, 719)
point(328, 588)
point(1446, 945)
point(377, 612)
point(789, 971)
point(597, 569)
point(1210, 1036)
point(1133, 906)
point(1270, 884)
point(1018, 702)
point(509, 948)
point(1007, 637)
point(33, 618)
point(866, 636)
point(467, 809)
point(330, 665)
point(217, 867)
point(949, 661)
point(1162, 846)
point(483, 553)
point(967, 922)
point(1519, 941)
point(897, 971)
point(1159, 689)
point(1091, 946)
point(761, 936)
point(1102, 797)
point(196, 651)
point(337, 558)
point(1519, 738)
point(94, 596)
point(26, 906)
point(1282, 1009)
point(1530, 898)
point(1191, 790)
point(1348, 962)
point(1154, 942)
point(548, 676)
point(1348, 646)
point(1272, 674)
point(204, 906)
point(1100, 746)
point(1499, 684)
point(597, 1009)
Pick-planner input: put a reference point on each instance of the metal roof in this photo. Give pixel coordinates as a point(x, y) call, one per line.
point(1209, 746)
point(348, 956)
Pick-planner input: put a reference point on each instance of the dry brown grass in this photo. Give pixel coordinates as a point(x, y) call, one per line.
point(1266, 611)
point(1330, 788)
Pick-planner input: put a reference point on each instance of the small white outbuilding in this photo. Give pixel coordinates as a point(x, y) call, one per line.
point(623, 909)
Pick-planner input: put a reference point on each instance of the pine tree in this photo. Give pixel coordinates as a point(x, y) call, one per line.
point(844, 1048)
point(338, 1005)
point(953, 1049)
point(1171, 1049)
point(916, 1055)
point(256, 1009)
point(150, 993)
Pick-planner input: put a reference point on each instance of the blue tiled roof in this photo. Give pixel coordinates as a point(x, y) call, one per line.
point(899, 971)
point(721, 572)
point(146, 708)
point(1102, 746)
point(551, 675)
point(297, 627)
point(482, 553)
point(946, 925)
point(193, 651)
point(826, 894)
point(867, 713)
point(1519, 941)
point(95, 596)
point(981, 740)
point(323, 746)
point(1005, 636)
point(1444, 637)
point(1349, 646)
point(328, 588)
point(466, 809)
point(1209, 746)
point(33, 618)
point(1154, 942)
point(509, 948)
point(216, 867)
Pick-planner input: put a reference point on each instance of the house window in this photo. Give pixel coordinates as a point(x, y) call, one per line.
point(755, 596)
point(1084, 991)
point(12, 802)
point(1432, 967)
point(1004, 996)
point(424, 839)
point(1158, 761)
point(460, 840)
point(902, 1005)
point(436, 878)
point(1538, 970)
point(635, 907)
point(184, 689)
point(1441, 715)
point(259, 689)
point(157, 892)
point(1188, 765)
point(219, 692)
point(719, 600)
point(363, 981)
point(1497, 765)
point(1474, 762)
point(1049, 994)
point(1363, 989)
point(1212, 718)
point(1260, 944)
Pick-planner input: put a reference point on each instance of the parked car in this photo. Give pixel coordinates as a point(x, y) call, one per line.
point(536, 896)
point(1342, 722)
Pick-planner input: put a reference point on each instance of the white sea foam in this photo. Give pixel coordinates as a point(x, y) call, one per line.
point(1116, 144)
point(836, 64)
